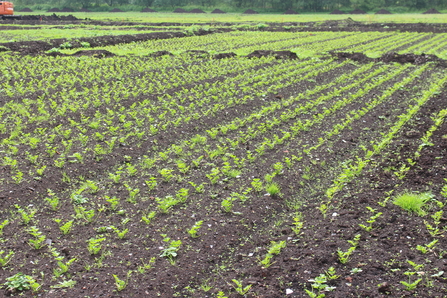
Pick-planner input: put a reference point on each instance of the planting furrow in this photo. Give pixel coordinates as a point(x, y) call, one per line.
point(355, 168)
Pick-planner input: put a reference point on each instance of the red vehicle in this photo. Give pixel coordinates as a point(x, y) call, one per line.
point(7, 11)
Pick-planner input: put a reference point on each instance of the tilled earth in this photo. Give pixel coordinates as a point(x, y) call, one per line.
point(232, 244)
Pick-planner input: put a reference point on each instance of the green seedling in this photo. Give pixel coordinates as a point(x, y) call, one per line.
point(82, 213)
point(195, 228)
point(275, 249)
point(21, 282)
point(52, 200)
point(297, 223)
point(66, 228)
point(121, 284)
point(120, 234)
point(371, 220)
point(239, 287)
point(63, 267)
point(26, 216)
point(227, 204)
point(114, 202)
point(94, 245)
point(343, 256)
point(273, 189)
point(257, 184)
point(148, 218)
point(146, 266)
point(428, 247)
point(319, 284)
point(3, 225)
point(65, 284)
point(5, 260)
point(171, 252)
point(39, 240)
point(198, 188)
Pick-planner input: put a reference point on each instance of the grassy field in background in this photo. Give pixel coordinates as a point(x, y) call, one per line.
point(160, 17)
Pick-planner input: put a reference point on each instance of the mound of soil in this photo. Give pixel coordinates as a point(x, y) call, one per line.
point(224, 55)
point(147, 9)
point(26, 9)
point(358, 11)
point(391, 57)
point(276, 54)
point(337, 11)
point(250, 11)
point(85, 10)
point(196, 10)
point(383, 11)
point(54, 10)
point(218, 11)
point(408, 58)
point(52, 17)
point(359, 57)
point(431, 11)
point(198, 53)
point(290, 11)
point(180, 10)
point(94, 53)
point(67, 9)
point(116, 10)
point(160, 53)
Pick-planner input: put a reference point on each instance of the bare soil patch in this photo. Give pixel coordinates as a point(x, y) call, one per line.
point(196, 10)
point(290, 11)
point(180, 10)
point(358, 11)
point(431, 11)
point(250, 11)
point(218, 11)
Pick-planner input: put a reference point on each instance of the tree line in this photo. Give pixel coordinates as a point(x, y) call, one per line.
point(265, 5)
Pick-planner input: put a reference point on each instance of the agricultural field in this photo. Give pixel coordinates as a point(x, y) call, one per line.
point(228, 160)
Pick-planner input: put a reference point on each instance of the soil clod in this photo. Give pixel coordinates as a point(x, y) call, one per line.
point(276, 54)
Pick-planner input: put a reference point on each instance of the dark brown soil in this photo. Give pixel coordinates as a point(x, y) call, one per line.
point(55, 9)
point(160, 53)
point(94, 53)
point(48, 19)
point(180, 10)
point(218, 11)
point(230, 245)
point(35, 47)
point(250, 11)
point(26, 9)
point(196, 10)
point(276, 54)
point(431, 11)
point(337, 11)
point(358, 11)
point(290, 11)
point(392, 57)
point(147, 9)
point(67, 9)
point(224, 55)
point(85, 10)
point(383, 11)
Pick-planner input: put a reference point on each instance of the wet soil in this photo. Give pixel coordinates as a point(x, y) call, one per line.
point(206, 260)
